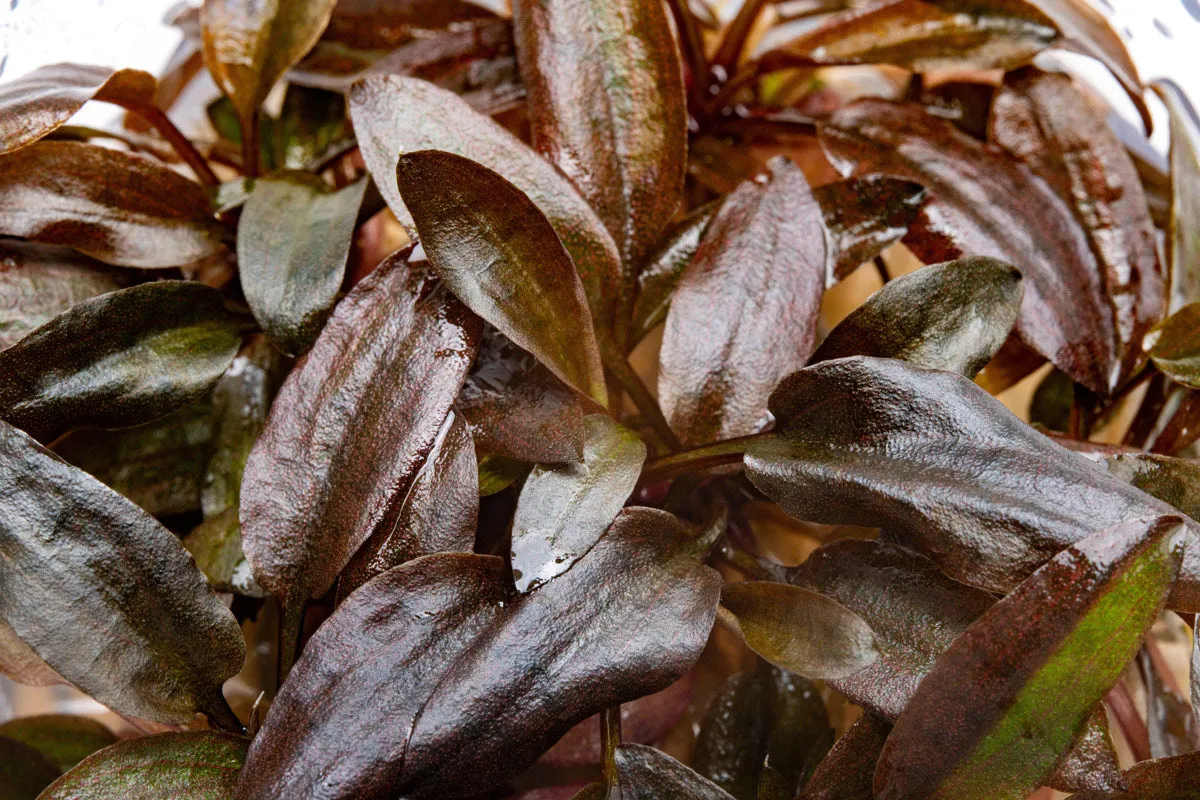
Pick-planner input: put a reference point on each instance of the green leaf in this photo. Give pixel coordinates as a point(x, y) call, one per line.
point(1173, 480)
point(293, 241)
point(1174, 345)
point(63, 740)
point(118, 360)
point(649, 774)
point(1012, 693)
point(24, 772)
point(1183, 240)
point(499, 254)
point(497, 473)
point(563, 510)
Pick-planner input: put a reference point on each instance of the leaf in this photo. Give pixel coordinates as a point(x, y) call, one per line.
point(1175, 481)
point(38, 282)
point(943, 465)
point(563, 510)
point(371, 25)
point(477, 681)
point(361, 414)
point(799, 630)
point(118, 360)
point(1012, 692)
point(766, 250)
point(63, 740)
point(293, 240)
point(24, 772)
point(216, 544)
point(1044, 120)
point(20, 664)
point(42, 101)
point(1183, 238)
point(1052, 402)
point(120, 587)
point(1066, 315)
point(198, 765)
point(649, 774)
point(249, 45)
point(1174, 345)
point(953, 316)
point(663, 268)
point(1176, 778)
point(864, 216)
point(606, 100)
point(501, 257)
point(120, 208)
point(846, 772)
point(395, 115)
point(516, 408)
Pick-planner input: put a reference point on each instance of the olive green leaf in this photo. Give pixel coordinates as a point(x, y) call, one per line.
point(63, 740)
point(24, 772)
point(1174, 345)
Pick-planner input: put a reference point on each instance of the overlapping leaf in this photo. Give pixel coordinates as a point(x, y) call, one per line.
point(649, 774)
point(20, 663)
point(371, 25)
point(63, 740)
point(24, 772)
point(660, 275)
point(1184, 228)
point(1174, 345)
point(846, 772)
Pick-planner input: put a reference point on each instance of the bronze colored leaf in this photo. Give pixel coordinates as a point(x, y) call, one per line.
point(385, 24)
point(1174, 345)
point(662, 270)
point(649, 774)
point(846, 772)
point(1173, 480)
point(20, 663)
point(1176, 778)
point(1184, 228)
point(864, 216)
point(63, 740)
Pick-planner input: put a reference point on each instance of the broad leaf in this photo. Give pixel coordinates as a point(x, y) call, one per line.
point(1174, 345)
point(953, 316)
point(198, 765)
point(649, 774)
point(372, 25)
point(63, 740)
point(122, 590)
point(20, 663)
point(1184, 228)
point(477, 681)
point(395, 115)
point(1012, 693)
point(1044, 120)
point(24, 772)
point(42, 101)
point(499, 254)
point(864, 216)
point(563, 510)
point(361, 414)
point(607, 104)
point(662, 269)
point(846, 772)
point(293, 240)
point(942, 464)
point(118, 360)
point(986, 204)
point(765, 250)
point(120, 208)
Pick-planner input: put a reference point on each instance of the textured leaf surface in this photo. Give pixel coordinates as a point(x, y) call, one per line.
point(1173, 480)
point(864, 216)
point(63, 740)
point(1175, 778)
point(649, 774)
point(1184, 227)
point(1175, 345)
point(846, 772)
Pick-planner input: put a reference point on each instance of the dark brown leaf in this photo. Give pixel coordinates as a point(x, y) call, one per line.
point(63, 740)
point(385, 24)
point(1176, 778)
point(24, 772)
point(649, 774)
point(661, 272)
point(864, 216)
point(846, 772)
point(1184, 228)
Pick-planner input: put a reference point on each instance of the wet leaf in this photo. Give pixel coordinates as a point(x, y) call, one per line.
point(944, 466)
point(1065, 315)
point(120, 208)
point(395, 115)
point(375, 25)
point(663, 268)
point(42, 101)
point(20, 663)
point(765, 250)
point(1183, 242)
point(24, 772)
point(361, 414)
point(563, 510)
point(953, 316)
point(846, 772)
point(499, 255)
point(864, 216)
point(477, 681)
point(1011, 694)
point(607, 104)
point(497, 473)
point(198, 765)
point(1174, 345)
point(293, 240)
point(1173, 480)
point(649, 774)
point(123, 591)
point(63, 740)
point(118, 360)
point(1044, 120)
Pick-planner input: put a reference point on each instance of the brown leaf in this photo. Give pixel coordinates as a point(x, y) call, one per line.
point(649, 774)
point(864, 216)
point(1184, 229)
point(385, 24)
point(846, 772)
point(20, 663)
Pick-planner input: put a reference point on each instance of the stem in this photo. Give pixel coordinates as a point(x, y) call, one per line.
point(182, 145)
point(882, 269)
point(632, 383)
point(610, 738)
point(698, 459)
point(1148, 413)
point(1130, 721)
point(250, 146)
point(691, 43)
point(290, 622)
point(729, 52)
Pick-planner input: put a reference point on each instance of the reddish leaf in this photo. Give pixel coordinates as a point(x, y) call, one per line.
point(649, 774)
point(846, 772)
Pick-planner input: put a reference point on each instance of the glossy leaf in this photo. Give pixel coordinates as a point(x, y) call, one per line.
point(198, 765)
point(1184, 228)
point(293, 240)
point(361, 414)
point(864, 216)
point(24, 772)
point(1173, 480)
point(765, 250)
point(1012, 692)
point(1174, 345)
point(20, 664)
point(372, 25)
point(499, 254)
point(63, 740)
point(649, 774)
point(121, 588)
point(563, 510)
point(117, 360)
point(953, 316)
point(1176, 778)
point(944, 466)
point(663, 268)
point(42, 101)
point(120, 208)
point(394, 115)
point(1065, 315)
point(477, 681)
point(846, 772)
point(1045, 121)
point(607, 104)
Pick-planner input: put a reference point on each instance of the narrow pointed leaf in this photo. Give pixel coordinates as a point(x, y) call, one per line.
point(198, 765)
point(293, 240)
point(1012, 692)
point(1184, 228)
point(864, 216)
point(123, 591)
point(661, 273)
point(24, 772)
point(953, 316)
point(765, 250)
point(361, 414)
point(63, 740)
point(395, 115)
point(477, 681)
point(563, 510)
point(117, 360)
point(120, 208)
point(499, 254)
point(943, 465)
point(1174, 345)
point(1065, 315)
point(846, 772)
point(649, 774)
point(20, 663)
point(607, 104)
